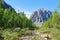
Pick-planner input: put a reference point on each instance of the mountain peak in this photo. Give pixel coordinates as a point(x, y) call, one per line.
point(41, 15)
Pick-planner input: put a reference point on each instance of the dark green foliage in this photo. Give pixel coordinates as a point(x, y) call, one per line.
point(13, 24)
point(11, 19)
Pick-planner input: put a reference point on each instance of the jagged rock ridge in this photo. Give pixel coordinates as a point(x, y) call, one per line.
point(41, 15)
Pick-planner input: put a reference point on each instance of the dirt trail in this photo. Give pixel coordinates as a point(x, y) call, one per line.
point(36, 34)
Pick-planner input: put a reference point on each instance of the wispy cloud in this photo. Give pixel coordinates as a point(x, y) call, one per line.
point(28, 13)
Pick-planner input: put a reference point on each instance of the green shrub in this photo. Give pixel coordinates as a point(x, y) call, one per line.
point(35, 38)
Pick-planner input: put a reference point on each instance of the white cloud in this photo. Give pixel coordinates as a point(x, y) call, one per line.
point(28, 14)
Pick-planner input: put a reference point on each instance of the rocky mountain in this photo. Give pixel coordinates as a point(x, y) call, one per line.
point(4, 5)
point(40, 15)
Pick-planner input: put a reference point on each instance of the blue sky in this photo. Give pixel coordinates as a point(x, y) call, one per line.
point(30, 5)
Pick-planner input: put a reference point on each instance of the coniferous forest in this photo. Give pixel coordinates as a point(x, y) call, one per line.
point(13, 24)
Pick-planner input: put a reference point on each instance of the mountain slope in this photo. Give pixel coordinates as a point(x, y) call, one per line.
point(41, 15)
point(4, 5)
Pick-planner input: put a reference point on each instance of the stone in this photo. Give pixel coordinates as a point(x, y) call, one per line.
point(40, 16)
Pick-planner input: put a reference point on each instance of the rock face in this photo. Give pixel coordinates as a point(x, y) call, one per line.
point(5, 5)
point(40, 15)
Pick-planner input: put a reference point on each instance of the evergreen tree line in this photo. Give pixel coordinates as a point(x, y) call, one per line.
point(10, 19)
